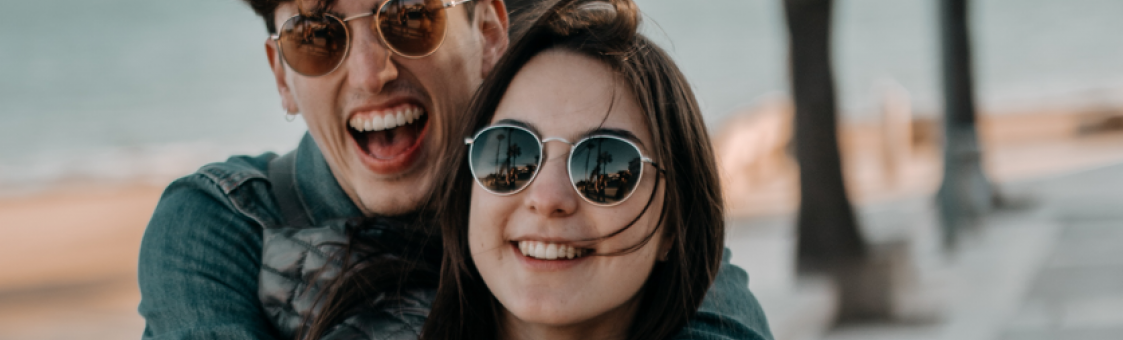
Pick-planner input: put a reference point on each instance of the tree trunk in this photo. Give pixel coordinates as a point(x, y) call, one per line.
point(965, 193)
point(829, 242)
point(828, 232)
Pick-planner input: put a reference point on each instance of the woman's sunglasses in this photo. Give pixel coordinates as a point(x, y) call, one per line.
point(316, 45)
point(604, 169)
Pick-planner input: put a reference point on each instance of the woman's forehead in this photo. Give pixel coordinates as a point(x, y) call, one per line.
point(566, 94)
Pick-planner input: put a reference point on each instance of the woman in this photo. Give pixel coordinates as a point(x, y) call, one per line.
point(594, 204)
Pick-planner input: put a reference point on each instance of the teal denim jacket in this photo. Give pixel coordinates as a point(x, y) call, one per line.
point(202, 252)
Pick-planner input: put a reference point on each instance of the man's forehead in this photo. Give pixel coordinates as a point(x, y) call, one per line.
point(341, 7)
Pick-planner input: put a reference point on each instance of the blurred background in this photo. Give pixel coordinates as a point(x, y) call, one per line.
point(104, 103)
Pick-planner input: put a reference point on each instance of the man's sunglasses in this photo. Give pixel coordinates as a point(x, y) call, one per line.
point(604, 169)
point(316, 45)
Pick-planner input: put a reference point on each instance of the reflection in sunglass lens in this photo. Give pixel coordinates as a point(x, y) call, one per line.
point(505, 159)
point(313, 46)
point(412, 27)
point(605, 170)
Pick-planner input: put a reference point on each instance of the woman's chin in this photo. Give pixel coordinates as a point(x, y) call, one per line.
point(549, 320)
point(566, 314)
point(548, 312)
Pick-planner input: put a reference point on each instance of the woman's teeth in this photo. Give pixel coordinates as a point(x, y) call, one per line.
point(550, 251)
point(386, 120)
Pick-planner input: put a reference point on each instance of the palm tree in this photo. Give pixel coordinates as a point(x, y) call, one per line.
point(588, 153)
point(513, 153)
point(603, 159)
point(965, 192)
point(500, 138)
point(829, 241)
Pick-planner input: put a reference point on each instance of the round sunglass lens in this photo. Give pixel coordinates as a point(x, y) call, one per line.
point(412, 27)
point(504, 159)
point(605, 170)
point(313, 46)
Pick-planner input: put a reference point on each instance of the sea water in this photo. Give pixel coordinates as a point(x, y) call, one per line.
point(141, 89)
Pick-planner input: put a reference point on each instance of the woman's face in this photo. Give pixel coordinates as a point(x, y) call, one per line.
point(567, 95)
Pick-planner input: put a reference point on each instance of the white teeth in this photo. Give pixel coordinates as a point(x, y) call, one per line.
point(380, 123)
point(549, 251)
point(539, 250)
point(386, 120)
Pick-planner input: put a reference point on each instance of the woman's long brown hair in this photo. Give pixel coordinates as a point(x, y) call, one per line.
point(692, 213)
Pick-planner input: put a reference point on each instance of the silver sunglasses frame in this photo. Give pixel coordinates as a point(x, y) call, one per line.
point(470, 141)
point(276, 37)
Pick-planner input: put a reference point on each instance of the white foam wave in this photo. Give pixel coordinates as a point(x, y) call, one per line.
point(150, 164)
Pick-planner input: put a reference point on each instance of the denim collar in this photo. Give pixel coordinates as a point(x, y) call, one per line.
point(318, 189)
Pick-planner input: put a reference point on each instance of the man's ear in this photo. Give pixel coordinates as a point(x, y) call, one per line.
point(278, 67)
point(491, 19)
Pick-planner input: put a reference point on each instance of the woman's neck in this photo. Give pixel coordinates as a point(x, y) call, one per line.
point(612, 325)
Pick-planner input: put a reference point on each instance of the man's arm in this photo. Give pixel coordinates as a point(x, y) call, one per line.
point(729, 311)
point(198, 270)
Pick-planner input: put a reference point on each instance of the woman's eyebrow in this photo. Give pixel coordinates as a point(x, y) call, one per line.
point(519, 123)
point(625, 134)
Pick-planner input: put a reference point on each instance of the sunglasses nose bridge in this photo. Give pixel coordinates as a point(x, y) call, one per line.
point(367, 62)
point(552, 192)
point(363, 31)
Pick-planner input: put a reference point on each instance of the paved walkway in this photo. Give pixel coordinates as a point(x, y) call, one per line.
point(1051, 270)
point(1077, 293)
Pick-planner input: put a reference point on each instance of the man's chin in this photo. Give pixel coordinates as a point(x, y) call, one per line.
point(392, 197)
point(394, 207)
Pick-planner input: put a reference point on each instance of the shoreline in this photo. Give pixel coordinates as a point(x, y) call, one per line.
point(73, 234)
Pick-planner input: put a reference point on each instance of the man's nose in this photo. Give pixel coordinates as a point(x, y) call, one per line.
point(368, 64)
point(551, 193)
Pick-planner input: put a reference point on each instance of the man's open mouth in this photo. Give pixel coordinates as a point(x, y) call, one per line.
point(390, 133)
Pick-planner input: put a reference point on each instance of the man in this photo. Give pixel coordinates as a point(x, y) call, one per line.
point(373, 100)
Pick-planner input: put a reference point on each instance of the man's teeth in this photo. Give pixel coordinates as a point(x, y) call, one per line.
point(387, 119)
point(549, 251)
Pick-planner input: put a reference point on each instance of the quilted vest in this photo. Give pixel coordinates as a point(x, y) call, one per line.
point(297, 263)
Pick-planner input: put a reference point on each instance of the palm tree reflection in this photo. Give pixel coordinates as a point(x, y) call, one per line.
point(509, 171)
point(606, 183)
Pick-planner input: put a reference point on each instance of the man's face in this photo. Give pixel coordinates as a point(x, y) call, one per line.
point(386, 171)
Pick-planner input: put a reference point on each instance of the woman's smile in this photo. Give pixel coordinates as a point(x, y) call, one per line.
point(549, 257)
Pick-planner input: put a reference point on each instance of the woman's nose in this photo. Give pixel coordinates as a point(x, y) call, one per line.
point(551, 193)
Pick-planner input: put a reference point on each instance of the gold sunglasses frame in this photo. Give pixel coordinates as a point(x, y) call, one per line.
point(276, 37)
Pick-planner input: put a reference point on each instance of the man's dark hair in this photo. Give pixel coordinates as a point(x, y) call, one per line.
point(266, 8)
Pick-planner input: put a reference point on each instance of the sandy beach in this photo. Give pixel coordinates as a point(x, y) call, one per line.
point(70, 254)
point(70, 262)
